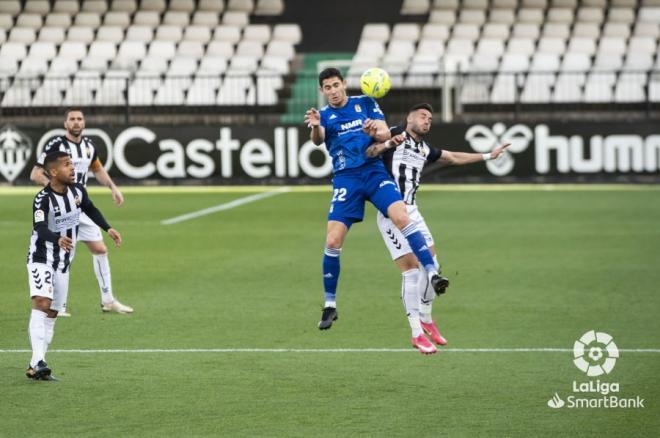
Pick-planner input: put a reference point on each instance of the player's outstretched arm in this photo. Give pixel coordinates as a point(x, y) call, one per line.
point(38, 175)
point(449, 158)
point(380, 148)
point(377, 129)
point(103, 178)
point(313, 121)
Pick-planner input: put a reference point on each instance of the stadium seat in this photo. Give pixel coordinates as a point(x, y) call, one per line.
point(32, 21)
point(406, 32)
point(223, 49)
point(523, 46)
point(537, 88)
point(568, 88)
point(616, 30)
point(281, 48)
point(94, 64)
point(227, 32)
point(200, 34)
point(205, 18)
point(559, 15)
point(443, 16)
point(495, 30)
point(241, 5)
point(153, 5)
point(147, 18)
point(590, 15)
point(545, 62)
point(83, 34)
point(98, 6)
point(237, 18)
point(504, 89)
point(269, 7)
point(139, 33)
point(25, 35)
point(212, 65)
point(288, 33)
point(466, 31)
point(176, 18)
point(168, 32)
point(630, 87)
point(89, 19)
point(257, 32)
point(158, 48)
point(477, 17)
point(41, 7)
point(102, 49)
point(129, 6)
point(250, 48)
point(117, 18)
point(51, 34)
point(599, 87)
point(42, 50)
point(190, 49)
point(62, 67)
point(114, 34)
point(216, 6)
point(11, 7)
point(69, 7)
point(526, 30)
point(415, 7)
point(435, 31)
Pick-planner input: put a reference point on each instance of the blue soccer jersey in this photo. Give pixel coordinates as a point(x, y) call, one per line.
point(344, 138)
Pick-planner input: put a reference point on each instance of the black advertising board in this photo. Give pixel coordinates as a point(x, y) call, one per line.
point(556, 152)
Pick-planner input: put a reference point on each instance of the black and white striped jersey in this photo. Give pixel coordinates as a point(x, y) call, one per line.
point(406, 162)
point(82, 154)
point(57, 215)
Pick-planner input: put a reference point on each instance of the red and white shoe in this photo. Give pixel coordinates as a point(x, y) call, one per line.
point(432, 330)
point(423, 345)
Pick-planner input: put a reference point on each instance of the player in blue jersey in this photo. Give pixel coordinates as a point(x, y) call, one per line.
point(348, 125)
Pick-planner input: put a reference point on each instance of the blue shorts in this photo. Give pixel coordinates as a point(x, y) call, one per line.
point(352, 187)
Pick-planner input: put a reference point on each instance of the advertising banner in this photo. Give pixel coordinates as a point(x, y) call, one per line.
point(557, 152)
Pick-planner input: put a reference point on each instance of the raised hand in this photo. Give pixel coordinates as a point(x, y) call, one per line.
point(312, 117)
point(499, 151)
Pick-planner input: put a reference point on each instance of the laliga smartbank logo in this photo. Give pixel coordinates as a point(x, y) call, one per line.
point(595, 354)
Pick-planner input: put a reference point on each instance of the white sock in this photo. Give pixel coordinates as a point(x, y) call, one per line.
point(49, 325)
point(410, 299)
point(37, 333)
point(426, 296)
point(102, 271)
point(332, 304)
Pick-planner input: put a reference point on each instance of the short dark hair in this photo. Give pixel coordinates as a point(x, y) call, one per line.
point(70, 110)
point(52, 157)
point(426, 106)
point(328, 73)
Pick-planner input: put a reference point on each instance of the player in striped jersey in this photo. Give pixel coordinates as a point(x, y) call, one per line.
point(405, 156)
point(85, 158)
point(56, 216)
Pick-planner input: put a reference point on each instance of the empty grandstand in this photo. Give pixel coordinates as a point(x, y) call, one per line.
point(225, 56)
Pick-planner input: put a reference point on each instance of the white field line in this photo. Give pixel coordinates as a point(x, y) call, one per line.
point(324, 350)
point(226, 206)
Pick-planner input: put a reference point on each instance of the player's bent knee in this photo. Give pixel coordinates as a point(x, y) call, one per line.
point(333, 241)
point(41, 303)
point(407, 262)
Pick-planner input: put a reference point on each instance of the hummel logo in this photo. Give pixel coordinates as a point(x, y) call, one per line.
point(424, 248)
point(334, 116)
point(328, 275)
point(483, 139)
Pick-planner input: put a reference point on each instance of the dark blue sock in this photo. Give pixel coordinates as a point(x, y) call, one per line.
point(418, 245)
point(331, 272)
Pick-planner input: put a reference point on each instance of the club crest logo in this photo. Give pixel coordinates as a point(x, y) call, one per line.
point(15, 151)
point(483, 139)
point(595, 353)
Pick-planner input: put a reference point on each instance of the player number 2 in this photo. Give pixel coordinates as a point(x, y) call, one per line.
point(339, 195)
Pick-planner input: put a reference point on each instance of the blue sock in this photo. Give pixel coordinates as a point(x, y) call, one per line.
point(331, 272)
point(417, 243)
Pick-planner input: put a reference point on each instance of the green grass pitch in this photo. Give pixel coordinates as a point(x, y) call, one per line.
point(529, 268)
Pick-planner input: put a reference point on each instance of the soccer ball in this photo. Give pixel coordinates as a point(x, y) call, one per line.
point(375, 82)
